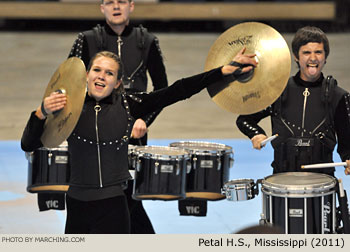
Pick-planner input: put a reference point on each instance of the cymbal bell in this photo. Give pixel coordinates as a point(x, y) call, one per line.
point(266, 83)
point(69, 78)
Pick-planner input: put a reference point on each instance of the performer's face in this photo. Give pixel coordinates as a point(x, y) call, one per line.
point(117, 12)
point(102, 77)
point(312, 59)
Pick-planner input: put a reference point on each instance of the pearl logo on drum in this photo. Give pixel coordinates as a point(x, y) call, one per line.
point(303, 142)
point(326, 214)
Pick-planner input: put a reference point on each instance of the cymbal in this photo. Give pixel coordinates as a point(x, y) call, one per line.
point(69, 78)
point(269, 78)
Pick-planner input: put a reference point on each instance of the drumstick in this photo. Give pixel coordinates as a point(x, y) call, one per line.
point(324, 165)
point(341, 188)
point(268, 139)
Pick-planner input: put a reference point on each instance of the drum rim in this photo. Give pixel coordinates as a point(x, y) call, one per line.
point(59, 148)
point(225, 148)
point(39, 188)
point(299, 191)
point(139, 153)
point(241, 181)
point(29, 154)
point(298, 194)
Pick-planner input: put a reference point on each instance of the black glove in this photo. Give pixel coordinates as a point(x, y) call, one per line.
point(238, 75)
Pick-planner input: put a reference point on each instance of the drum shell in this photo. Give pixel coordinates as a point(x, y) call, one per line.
point(132, 159)
point(160, 178)
point(209, 169)
point(301, 211)
point(48, 170)
point(239, 189)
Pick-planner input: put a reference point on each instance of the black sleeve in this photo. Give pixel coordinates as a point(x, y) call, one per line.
point(31, 136)
point(248, 124)
point(157, 72)
point(156, 68)
point(80, 49)
point(180, 90)
point(342, 127)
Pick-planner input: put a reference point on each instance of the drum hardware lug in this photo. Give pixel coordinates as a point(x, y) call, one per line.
point(49, 156)
point(263, 221)
point(256, 187)
point(219, 163)
point(29, 156)
point(156, 164)
point(226, 193)
point(188, 166)
point(194, 162)
point(138, 165)
point(231, 161)
point(177, 167)
point(133, 162)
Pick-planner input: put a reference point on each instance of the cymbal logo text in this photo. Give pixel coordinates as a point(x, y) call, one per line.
point(251, 95)
point(55, 81)
point(63, 122)
point(246, 40)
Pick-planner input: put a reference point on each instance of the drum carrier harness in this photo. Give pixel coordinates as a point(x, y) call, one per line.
point(135, 79)
point(316, 145)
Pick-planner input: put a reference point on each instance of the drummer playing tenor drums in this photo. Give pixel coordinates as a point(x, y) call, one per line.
point(98, 145)
point(310, 115)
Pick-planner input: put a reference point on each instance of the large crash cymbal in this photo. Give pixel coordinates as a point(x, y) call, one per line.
point(270, 76)
point(69, 78)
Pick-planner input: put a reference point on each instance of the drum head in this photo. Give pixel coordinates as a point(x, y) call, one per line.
point(202, 147)
point(161, 152)
point(298, 184)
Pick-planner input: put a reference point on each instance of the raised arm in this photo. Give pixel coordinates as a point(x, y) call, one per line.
point(186, 87)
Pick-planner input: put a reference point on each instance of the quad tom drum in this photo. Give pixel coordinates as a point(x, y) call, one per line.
point(209, 170)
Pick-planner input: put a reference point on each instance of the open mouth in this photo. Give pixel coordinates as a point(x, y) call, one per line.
point(99, 85)
point(312, 68)
point(312, 65)
point(116, 14)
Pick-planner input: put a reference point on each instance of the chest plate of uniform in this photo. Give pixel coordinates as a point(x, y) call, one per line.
point(303, 111)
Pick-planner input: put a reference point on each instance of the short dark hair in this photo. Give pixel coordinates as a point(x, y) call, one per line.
point(110, 55)
point(309, 34)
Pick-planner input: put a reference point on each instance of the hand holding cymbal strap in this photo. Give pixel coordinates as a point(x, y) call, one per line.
point(262, 86)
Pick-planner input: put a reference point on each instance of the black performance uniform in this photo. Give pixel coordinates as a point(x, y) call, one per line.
point(310, 118)
point(308, 125)
point(95, 199)
point(139, 52)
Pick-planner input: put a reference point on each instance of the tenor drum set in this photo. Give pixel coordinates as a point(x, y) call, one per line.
point(195, 170)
